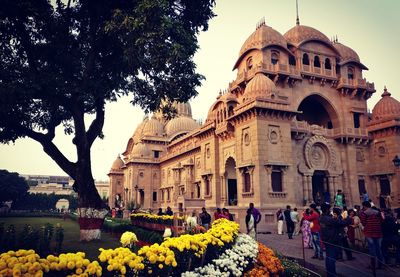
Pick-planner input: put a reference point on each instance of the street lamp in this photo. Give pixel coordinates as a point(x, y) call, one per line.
point(396, 161)
point(126, 196)
point(136, 190)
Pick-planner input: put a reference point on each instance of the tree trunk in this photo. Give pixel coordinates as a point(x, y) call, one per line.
point(91, 208)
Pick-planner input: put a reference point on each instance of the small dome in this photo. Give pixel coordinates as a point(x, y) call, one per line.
point(262, 37)
point(347, 54)
point(140, 150)
point(117, 164)
point(386, 108)
point(259, 86)
point(300, 34)
point(180, 125)
point(153, 127)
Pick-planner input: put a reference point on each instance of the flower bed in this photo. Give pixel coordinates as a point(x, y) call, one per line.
point(267, 263)
point(220, 251)
point(152, 218)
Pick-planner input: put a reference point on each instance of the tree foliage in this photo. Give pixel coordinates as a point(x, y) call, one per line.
point(12, 186)
point(42, 202)
point(61, 62)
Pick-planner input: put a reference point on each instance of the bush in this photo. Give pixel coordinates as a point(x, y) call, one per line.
point(39, 240)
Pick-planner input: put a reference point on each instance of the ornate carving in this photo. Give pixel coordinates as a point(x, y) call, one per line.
point(274, 134)
point(360, 155)
point(319, 154)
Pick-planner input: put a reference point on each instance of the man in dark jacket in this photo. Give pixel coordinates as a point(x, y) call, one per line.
point(331, 226)
point(289, 221)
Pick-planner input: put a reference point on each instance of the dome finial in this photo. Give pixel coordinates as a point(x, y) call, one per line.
point(297, 13)
point(385, 92)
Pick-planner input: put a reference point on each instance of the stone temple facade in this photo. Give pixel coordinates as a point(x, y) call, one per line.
point(293, 128)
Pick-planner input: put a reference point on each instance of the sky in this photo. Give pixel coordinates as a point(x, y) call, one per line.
point(369, 27)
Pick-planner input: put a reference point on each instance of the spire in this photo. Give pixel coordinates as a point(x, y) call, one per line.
point(297, 13)
point(385, 92)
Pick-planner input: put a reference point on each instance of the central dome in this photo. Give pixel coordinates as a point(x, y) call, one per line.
point(153, 127)
point(300, 34)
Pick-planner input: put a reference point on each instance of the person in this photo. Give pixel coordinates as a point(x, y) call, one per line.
point(343, 243)
point(318, 198)
point(295, 218)
point(160, 212)
point(217, 214)
point(230, 216)
point(250, 224)
point(364, 197)
point(279, 218)
point(289, 222)
point(327, 197)
point(331, 226)
point(339, 199)
point(382, 202)
point(205, 218)
point(388, 201)
point(390, 232)
point(354, 231)
point(113, 213)
point(256, 214)
point(306, 231)
point(191, 221)
point(313, 217)
point(169, 211)
point(371, 220)
point(225, 214)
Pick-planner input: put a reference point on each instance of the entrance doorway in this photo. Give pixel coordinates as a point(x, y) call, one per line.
point(232, 192)
point(231, 182)
point(141, 192)
point(320, 190)
point(385, 185)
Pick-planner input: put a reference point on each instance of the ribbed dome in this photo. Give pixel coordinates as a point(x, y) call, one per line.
point(153, 127)
point(262, 37)
point(180, 125)
point(259, 86)
point(300, 34)
point(117, 164)
point(183, 108)
point(140, 150)
point(346, 52)
point(139, 130)
point(229, 96)
point(386, 108)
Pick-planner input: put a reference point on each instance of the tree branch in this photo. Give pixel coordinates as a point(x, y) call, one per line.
point(51, 149)
point(97, 124)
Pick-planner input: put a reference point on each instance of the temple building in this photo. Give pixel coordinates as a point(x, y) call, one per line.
point(292, 128)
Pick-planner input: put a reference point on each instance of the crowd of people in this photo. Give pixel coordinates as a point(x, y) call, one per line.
point(338, 229)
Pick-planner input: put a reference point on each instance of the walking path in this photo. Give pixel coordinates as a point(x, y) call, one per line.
point(293, 248)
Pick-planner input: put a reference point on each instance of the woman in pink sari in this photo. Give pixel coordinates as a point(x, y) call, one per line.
point(306, 231)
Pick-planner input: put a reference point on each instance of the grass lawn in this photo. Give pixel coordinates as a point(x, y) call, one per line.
point(71, 234)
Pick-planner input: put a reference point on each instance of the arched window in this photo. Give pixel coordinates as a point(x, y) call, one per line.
point(306, 60)
point(317, 63)
point(230, 111)
point(249, 63)
point(292, 60)
point(274, 57)
point(328, 64)
point(350, 73)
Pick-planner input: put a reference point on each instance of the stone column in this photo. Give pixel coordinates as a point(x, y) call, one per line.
point(309, 188)
point(305, 189)
point(223, 188)
point(331, 187)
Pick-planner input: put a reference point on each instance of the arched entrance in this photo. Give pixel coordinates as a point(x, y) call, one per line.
point(320, 187)
point(316, 110)
point(230, 168)
point(141, 197)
